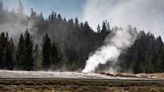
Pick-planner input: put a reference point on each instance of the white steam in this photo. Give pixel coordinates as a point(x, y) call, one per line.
point(15, 26)
point(16, 21)
point(144, 14)
point(111, 51)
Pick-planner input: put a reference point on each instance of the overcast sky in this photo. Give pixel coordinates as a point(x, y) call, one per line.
point(144, 14)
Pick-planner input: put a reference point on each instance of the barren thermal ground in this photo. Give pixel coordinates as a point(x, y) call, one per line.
point(79, 75)
point(44, 81)
point(69, 75)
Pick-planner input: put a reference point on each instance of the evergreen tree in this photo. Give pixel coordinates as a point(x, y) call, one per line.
point(46, 47)
point(2, 49)
point(98, 29)
point(20, 54)
point(24, 55)
point(29, 59)
point(37, 58)
point(104, 28)
point(10, 55)
point(56, 57)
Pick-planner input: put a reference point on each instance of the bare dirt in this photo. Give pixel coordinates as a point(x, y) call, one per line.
point(77, 75)
point(41, 81)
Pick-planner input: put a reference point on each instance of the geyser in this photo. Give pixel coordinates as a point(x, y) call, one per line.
point(112, 49)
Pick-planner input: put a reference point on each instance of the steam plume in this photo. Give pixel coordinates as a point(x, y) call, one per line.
point(111, 51)
point(16, 22)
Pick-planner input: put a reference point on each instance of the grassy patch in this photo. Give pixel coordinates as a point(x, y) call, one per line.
point(79, 85)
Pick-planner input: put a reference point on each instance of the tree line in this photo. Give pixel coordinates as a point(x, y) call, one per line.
point(146, 55)
point(26, 55)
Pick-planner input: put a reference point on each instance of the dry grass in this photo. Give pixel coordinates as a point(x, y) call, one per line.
point(152, 75)
point(79, 85)
point(87, 89)
point(159, 76)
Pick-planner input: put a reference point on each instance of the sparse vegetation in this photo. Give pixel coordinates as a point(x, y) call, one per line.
point(79, 85)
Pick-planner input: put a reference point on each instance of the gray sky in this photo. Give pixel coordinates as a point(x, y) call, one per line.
point(143, 14)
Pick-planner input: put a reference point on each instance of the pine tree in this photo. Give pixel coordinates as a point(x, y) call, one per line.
point(56, 57)
point(104, 28)
point(29, 59)
point(98, 29)
point(37, 58)
point(20, 54)
point(24, 55)
point(10, 55)
point(46, 47)
point(2, 49)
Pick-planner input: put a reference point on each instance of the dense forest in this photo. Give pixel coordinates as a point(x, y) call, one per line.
point(55, 43)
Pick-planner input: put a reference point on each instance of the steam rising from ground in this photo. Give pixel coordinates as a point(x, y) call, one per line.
point(65, 75)
point(111, 51)
point(16, 26)
point(144, 14)
point(16, 22)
